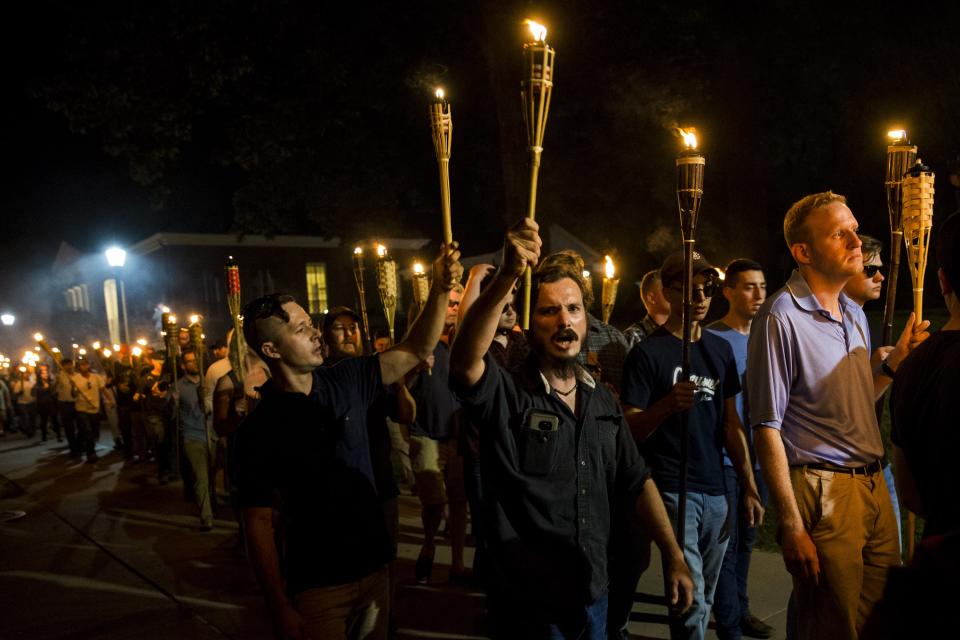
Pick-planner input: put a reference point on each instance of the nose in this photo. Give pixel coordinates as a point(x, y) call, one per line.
point(564, 318)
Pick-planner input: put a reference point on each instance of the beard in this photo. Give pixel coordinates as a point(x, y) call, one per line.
point(564, 367)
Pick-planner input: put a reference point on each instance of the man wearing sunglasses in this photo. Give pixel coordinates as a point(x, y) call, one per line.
point(307, 442)
point(654, 397)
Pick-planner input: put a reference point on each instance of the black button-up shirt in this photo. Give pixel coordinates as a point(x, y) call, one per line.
point(550, 493)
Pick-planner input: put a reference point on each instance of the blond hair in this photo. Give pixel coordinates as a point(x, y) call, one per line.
point(795, 222)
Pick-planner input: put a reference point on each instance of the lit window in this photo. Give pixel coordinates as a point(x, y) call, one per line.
point(316, 287)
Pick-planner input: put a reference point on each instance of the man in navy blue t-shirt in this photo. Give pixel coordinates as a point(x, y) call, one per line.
point(654, 397)
point(307, 444)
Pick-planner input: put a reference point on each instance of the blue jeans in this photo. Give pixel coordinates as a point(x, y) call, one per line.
point(888, 476)
point(703, 551)
point(513, 620)
point(732, 602)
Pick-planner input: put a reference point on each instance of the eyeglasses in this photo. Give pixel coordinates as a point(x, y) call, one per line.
point(707, 291)
point(508, 307)
point(871, 270)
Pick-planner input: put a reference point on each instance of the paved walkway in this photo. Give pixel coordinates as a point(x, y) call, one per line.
point(104, 551)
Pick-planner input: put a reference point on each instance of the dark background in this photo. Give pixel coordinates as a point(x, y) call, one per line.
point(124, 119)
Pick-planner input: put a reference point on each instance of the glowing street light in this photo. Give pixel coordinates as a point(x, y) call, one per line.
point(8, 319)
point(116, 258)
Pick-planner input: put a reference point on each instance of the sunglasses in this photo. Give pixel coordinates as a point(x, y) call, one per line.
point(707, 291)
point(872, 270)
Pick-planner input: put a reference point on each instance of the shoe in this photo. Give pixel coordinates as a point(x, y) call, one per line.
point(424, 567)
point(753, 627)
point(92, 459)
point(206, 526)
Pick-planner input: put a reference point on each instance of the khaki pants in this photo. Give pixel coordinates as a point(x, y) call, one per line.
point(850, 519)
point(438, 470)
point(200, 458)
point(353, 611)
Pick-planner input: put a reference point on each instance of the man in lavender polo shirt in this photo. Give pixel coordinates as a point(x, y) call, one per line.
point(811, 389)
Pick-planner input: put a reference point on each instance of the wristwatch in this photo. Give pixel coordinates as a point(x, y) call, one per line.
point(887, 371)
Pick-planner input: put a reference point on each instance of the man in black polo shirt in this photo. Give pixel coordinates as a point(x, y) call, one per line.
point(307, 445)
point(557, 460)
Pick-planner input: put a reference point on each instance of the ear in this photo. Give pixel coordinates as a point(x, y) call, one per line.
point(726, 291)
point(268, 350)
point(801, 253)
point(945, 287)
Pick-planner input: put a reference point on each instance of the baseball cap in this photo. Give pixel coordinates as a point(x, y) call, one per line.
point(672, 270)
point(335, 313)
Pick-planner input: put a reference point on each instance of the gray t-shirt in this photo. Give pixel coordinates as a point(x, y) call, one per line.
point(809, 376)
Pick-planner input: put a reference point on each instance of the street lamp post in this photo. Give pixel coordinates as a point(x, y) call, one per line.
point(116, 258)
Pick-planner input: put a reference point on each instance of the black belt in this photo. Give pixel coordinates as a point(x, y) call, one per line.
point(865, 470)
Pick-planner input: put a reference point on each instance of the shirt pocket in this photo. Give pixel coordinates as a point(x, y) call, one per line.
point(607, 428)
point(539, 442)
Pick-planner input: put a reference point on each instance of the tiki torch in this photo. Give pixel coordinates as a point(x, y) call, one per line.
point(361, 291)
point(238, 346)
point(900, 157)
point(441, 121)
point(608, 296)
point(917, 211)
point(387, 284)
point(168, 322)
point(195, 331)
point(690, 165)
point(421, 286)
point(535, 92)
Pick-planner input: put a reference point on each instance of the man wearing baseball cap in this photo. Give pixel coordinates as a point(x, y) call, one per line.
point(654, 397)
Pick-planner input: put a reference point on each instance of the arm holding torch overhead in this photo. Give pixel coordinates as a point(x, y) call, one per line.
point(521, 251)
point(425, 332)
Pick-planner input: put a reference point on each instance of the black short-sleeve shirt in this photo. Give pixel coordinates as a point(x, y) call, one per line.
point(550, 494)
point(437, 407)
point(313, 450)
point(651, 370)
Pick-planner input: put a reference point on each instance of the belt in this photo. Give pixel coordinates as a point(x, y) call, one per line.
point(865, 470)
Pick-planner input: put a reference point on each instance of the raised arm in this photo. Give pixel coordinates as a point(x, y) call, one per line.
point(521, 247)
point(471, 290)
point(913, 334)
point(426, 329)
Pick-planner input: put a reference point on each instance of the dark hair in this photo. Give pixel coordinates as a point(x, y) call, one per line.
point(381, 333)
point(268, 306)
point(66, 361)
point(560, 265)
point(948, 251)
point(871, 246)
point(736, 267)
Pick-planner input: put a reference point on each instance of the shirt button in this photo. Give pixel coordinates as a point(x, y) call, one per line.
point(583, 491)
point(583, 520)
point(583, 463)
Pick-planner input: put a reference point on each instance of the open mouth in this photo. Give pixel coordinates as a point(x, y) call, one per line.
point(565, 339)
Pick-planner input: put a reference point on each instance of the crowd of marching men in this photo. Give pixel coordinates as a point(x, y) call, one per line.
point(559, 447)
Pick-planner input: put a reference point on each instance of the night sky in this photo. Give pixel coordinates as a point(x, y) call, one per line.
point(288, 117)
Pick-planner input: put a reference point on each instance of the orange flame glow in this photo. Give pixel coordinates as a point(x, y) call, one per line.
point(608, 266)
point(538, 30)
point(417, 268)
point(689, 136)
point(897, 135)
point(439, 93)
point(381, 251)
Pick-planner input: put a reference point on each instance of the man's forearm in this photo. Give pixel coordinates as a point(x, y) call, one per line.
point(480, 325)
point(426, 329)
point(735, 439)
point(776, 473)
point(643, 422)
point(655, 521)
point(262, 550)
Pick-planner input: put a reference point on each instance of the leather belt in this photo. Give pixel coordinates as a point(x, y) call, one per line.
point(865, 470)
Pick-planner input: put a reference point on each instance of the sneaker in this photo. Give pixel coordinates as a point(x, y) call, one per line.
point(424, 567)
point(753, 627)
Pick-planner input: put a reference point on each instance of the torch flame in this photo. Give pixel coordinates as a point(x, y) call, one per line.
point(142, 342)
point(608, 267)
point(417, 268)
point(96, 344)
point(381, 251)
point(357, 251)
point(55, 350)
point(194, 318)
point(116, 347)
point(897, 135)
point(538, 30)
point(107, 353)
point(689, 137)
point(439, 93)
point(38, 337)
point(136, 351)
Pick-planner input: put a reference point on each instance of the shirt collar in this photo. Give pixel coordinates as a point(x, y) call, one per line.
point(534, 377)
point(804, 298)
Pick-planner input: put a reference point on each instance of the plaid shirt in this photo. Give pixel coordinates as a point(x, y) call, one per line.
point(605, 346)
point(638, 331)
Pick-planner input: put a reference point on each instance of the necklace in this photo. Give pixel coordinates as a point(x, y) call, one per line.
point(568, 391)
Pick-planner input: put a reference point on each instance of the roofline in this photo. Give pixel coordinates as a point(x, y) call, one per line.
point(159, 240)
